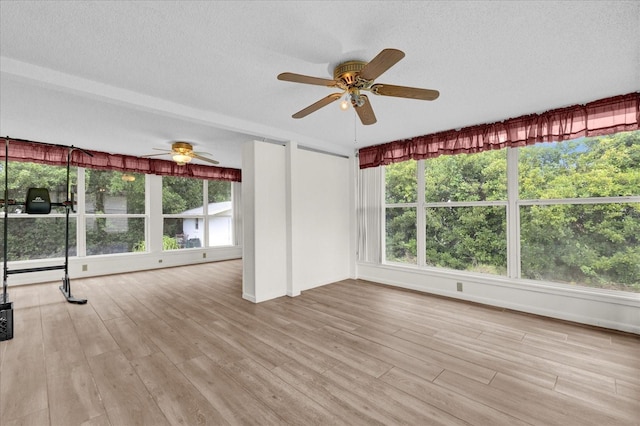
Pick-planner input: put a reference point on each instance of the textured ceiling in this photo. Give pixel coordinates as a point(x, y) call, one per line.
point(127, 77)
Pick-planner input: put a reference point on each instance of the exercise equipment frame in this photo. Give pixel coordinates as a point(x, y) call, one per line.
point(65, 288)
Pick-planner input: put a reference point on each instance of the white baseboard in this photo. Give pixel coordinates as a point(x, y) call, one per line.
point(595, 307)
point(93, 266)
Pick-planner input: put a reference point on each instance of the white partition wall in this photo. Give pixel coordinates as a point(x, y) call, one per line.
point(265, 225)
point(296, 212)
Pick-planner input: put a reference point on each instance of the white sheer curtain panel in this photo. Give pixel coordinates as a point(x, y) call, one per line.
point(370, 210)
point(236, 202)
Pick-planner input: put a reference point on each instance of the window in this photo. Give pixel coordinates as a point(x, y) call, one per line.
point(401, 196)
point(33, 237)
point(577, 205)
point(114, 212)
point(189, 216)
point(467, 238)
point(577, 224)
point(182, 205)
point(112, 217)
point(466, 212)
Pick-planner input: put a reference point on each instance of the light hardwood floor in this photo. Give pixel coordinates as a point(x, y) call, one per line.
point(180, 346)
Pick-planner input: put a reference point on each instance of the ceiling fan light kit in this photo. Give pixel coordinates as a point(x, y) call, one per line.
point(181, 159)
point(352, 77)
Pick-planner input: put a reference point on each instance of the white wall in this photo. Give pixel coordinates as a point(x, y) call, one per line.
point(321, 211)
point(583, 305)
point(297, 214)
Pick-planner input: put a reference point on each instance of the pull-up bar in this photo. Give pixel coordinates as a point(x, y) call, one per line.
point(37, 202)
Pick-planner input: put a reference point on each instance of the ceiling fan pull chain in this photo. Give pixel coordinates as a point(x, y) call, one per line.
point(355, 130)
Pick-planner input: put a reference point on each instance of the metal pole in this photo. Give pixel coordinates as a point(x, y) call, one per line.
point(66, 281)
point(6, 218)
point(66, 230)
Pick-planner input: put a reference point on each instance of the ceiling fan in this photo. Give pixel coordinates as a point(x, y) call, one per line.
point(182, 153)
point(355, 77)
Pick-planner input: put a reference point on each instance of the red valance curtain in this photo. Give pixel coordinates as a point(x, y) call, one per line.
point(602, 117)
point(37, 152)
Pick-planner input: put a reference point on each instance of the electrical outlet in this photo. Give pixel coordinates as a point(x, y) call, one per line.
point(204, 255)
point(85, 267)
point(159, 260)
point(459, 286)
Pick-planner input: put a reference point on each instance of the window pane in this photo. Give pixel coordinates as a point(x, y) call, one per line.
point(110, 192)
point(401, 182)
point(181, 233)
point(38, 237)
point(589, 245)
point(31, 175)
point(467, 238)
point(605, 166)
point(114, 235)
point(181, 195)
point(401, 235)
point(472, 177)
point(220, 213)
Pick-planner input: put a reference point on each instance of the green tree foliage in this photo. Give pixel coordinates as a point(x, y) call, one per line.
point(401, 182)
point(401, 187)
point(476, 177)
point(180, 194)
point(467, 238)
point(401, 239)
point(219, 191)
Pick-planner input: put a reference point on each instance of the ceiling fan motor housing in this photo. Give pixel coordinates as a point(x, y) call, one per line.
point(348, 72)
point(182, 147)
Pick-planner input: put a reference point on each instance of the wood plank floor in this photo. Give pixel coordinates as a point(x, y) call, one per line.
point(180, 347)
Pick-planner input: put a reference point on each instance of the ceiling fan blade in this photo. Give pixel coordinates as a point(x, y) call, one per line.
point(365, 112)
point(316, 106)
point(378, 65)
point(199, 157)
point(155, 155)
point(162, 149)
point(299, 78)
point(404, 92)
